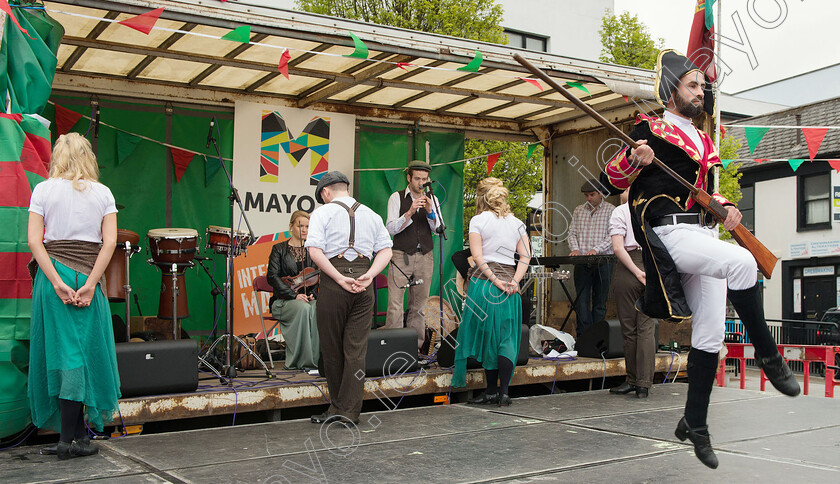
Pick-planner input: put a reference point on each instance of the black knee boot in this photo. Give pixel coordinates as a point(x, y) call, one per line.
point(747, 303)
point(702, 368)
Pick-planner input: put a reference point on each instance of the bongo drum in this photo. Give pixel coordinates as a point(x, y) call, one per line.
point(115, 272)
point(218, 240)
point(170, 245)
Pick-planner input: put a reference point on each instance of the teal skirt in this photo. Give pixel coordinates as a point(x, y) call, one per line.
point(491, 327)
point(71, 354)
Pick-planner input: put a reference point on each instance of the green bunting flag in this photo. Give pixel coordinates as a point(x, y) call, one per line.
point(531, 149)
point(239, 34)
point(578, 85)
point(126, 144)
point(754, 136)
point(795, 163)
point(211, 167)
point(361, 51)
point(474, 64)
point(394, 177)
point(725, 163)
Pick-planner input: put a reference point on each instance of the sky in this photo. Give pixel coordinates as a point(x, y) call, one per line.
point(801, 40)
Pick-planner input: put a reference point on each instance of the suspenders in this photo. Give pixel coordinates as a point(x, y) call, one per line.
point(352, 212)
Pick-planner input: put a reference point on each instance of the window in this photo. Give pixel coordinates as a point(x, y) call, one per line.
point(814, 202)
point(747, 207)
point(527, 41)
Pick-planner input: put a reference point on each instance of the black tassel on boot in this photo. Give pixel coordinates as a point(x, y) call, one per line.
point(747, 303)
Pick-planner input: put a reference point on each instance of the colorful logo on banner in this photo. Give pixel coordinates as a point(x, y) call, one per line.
point(276, 140)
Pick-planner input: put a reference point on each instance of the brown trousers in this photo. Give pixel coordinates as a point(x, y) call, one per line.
point(421, 266)
point(344, 322)
point(637, 329)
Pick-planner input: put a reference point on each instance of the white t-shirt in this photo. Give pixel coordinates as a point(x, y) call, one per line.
point(71, 214)
point(620, 225)
point(499, 236)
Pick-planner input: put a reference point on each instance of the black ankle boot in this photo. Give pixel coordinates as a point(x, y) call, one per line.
point(63, 450)
point(779, 374)
point(702, 442)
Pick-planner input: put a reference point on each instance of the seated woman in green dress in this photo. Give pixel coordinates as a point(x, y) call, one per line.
point(72, 362)
point(295, 309)
point(491, 327)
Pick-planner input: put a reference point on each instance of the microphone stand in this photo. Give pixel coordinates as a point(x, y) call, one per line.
point(440, 229)
point(233, 250)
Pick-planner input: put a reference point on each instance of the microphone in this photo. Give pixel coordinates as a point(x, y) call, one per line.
point(428, 184)
point(412, 283)
point(198, 257)
point(210, 132)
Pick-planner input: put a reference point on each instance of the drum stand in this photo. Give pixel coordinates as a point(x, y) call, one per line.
point(129, 251)
point(228, 372)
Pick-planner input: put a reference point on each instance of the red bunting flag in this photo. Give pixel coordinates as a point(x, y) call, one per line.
point(402, 65)
point(181, 159)
point(532, 81)
point(761, 160)
point(626, 99)
point(835, 164)
point(4, 6)
point(814, 138)
point(65, 119)
point(143, 22)
point(491, 161)
point(283, 67)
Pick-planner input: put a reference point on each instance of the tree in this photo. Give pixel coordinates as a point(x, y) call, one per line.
point(521, 176)
point(729, 178)
point(468, 19)
point(625, 40)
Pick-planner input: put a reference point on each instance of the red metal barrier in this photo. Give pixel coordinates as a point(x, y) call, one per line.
point(805, 353)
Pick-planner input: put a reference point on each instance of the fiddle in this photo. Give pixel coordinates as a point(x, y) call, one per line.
point(308, 277)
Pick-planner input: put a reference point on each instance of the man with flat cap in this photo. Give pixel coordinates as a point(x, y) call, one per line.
point(411, 221)
point(589, 234)
point(350, 244)
point(689, 271)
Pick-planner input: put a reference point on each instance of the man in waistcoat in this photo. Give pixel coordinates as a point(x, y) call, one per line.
point(412, 218)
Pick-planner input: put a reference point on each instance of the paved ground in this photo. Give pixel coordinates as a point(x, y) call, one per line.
point(576, 437)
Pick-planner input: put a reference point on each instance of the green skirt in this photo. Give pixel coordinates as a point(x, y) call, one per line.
point(71, 354)
point(491, 327)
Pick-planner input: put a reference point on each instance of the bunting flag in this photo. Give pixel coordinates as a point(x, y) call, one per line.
point(181, 159)
point(794, 164)
point(491, 161)
point(283, 66)
point(403, 65)
point(835, 164)
point(474, 64)
point(126, 144)
point(761, 160)
point(626, 98)
point(532, 81)
point(211, 167)
point(65, 119)
point(361, 51)
point(754, 136)
point(578, 85)
point(144, 22)
point(701, 44)
point(814, 138)
point(4, 6)
point(725, 163)
point(531, 150)
point(239, 34)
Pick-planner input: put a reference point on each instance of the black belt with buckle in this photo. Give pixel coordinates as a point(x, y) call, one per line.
point(676, 218)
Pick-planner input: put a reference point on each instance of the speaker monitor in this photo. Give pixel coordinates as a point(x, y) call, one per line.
point(446, 353)
point(157, 367)
point(390, 351)
point(602, 337)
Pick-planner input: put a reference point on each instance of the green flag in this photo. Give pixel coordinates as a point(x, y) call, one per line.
point(393, 177)
point(361, 51)
point(126, 143)
point(239, 34)
point(725, 163)
point(578, 85)
point(474, 64)
point(754, 136)
point(794, 164)
point(531, 150)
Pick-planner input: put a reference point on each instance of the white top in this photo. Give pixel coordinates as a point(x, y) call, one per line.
point(397, 222)
point(620, 225)
point(70, 214)
point(499, 236)
point(329, 230)
point(685, 125)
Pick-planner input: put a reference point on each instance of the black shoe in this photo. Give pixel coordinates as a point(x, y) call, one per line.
point(623, 389)
point(702, 442)
point(325, 417)
point(83, 447)
point(49, 450)
point(504, 400)
point(641, 392)
point(63, 450)
point(779, 374)
point(485, 399)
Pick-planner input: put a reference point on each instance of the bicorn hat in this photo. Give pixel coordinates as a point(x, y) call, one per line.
point(671, 66)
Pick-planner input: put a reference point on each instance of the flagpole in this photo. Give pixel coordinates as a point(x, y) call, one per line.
point(716, 88)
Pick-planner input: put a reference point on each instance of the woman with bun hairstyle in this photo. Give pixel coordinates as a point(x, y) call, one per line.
point(490, 329)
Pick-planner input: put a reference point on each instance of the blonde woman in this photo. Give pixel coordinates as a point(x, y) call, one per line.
point(295, 310)
point(490, 330)
point(72, 234)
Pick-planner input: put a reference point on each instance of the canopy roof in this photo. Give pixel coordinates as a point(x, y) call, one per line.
point(408, 76)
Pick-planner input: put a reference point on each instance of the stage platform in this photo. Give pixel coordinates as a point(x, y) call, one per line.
point(574, 437)
point(284, 395)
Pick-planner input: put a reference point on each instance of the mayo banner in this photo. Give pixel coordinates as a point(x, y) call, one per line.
point(279, 155)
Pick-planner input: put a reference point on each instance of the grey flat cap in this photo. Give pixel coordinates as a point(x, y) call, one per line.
point(419, 165)
point(592, 185)
point(329, 178)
